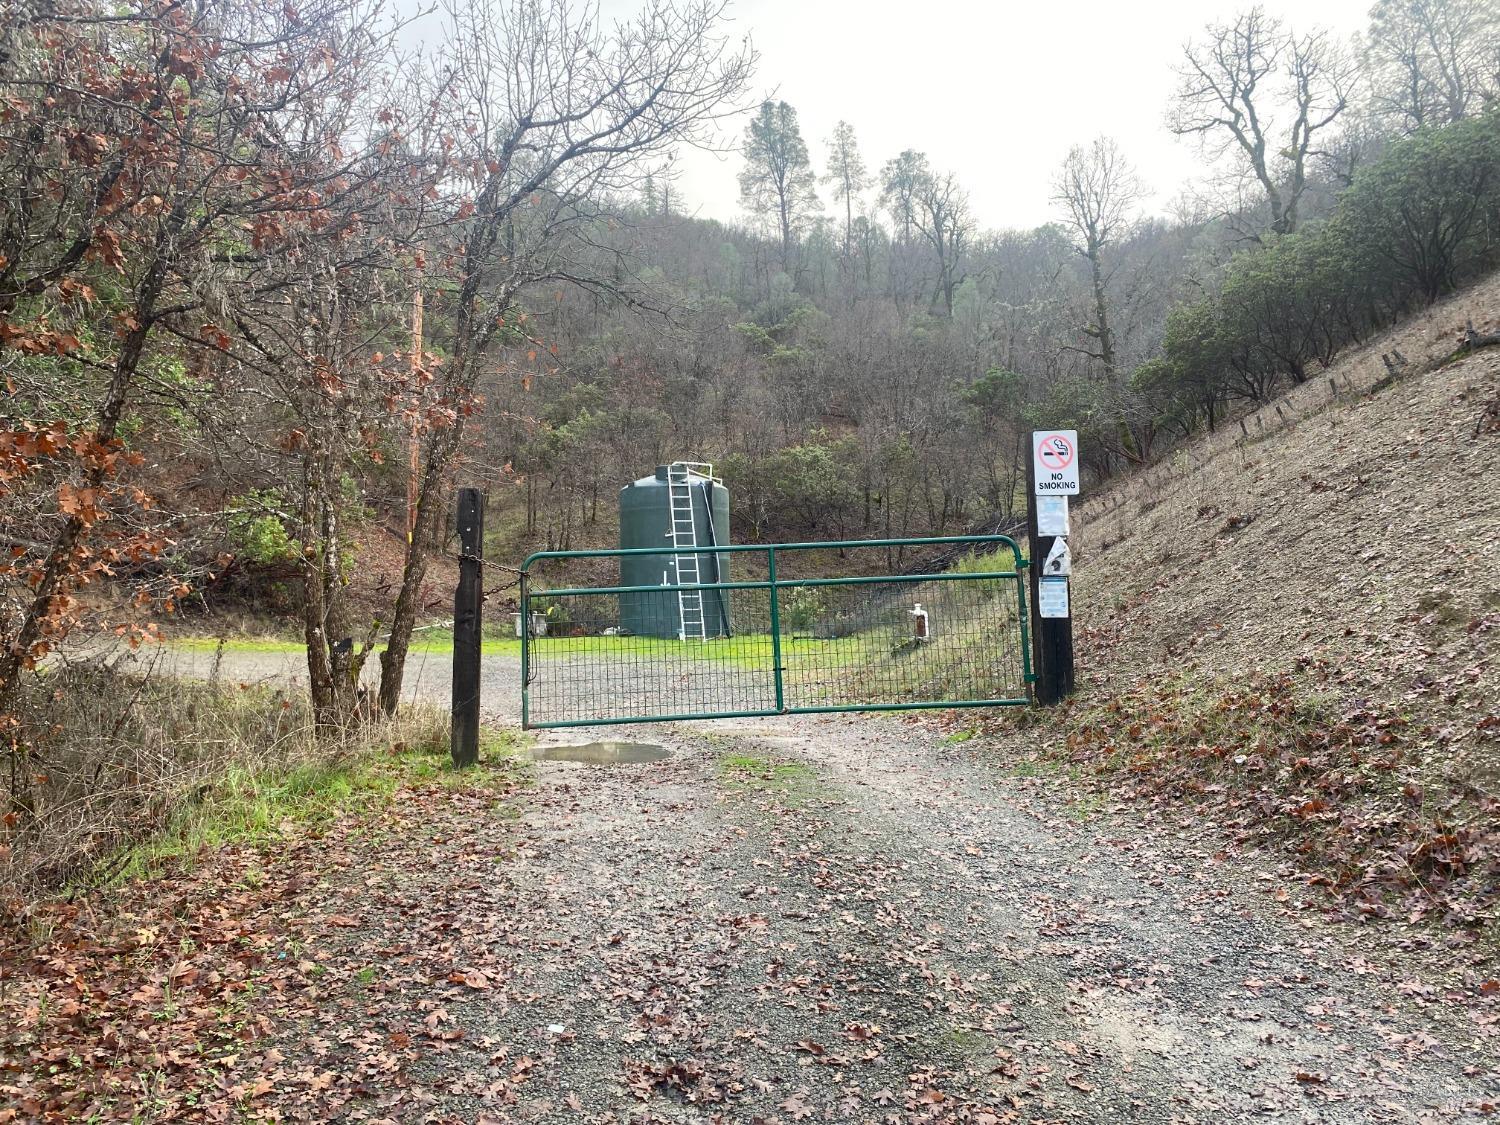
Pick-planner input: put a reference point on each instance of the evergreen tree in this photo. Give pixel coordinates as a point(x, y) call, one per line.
point(846, 172)
point(777, 182)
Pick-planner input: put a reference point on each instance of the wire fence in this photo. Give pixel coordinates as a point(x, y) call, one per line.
point(776, 635)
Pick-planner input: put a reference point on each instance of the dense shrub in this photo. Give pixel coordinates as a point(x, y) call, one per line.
point(1413, 226)
point(1422, 218)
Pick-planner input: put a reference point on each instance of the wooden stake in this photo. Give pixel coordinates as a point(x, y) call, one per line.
point(467, 616)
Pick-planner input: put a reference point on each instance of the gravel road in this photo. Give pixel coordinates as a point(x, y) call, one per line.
point(429, 676)
point(850, 919)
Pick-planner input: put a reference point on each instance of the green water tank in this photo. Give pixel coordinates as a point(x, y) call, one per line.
point(645, 522)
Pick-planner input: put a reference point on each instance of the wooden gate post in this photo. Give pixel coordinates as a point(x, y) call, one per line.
point(1051, 637)
point(467, 615)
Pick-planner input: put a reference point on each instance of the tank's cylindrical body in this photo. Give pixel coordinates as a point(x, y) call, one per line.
point(646, 522)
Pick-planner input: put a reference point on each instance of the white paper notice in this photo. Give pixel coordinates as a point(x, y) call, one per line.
point(1052, 515)
point(1052, 597)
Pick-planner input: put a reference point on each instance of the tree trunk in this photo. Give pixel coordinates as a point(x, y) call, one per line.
point(404, 616)
point(1101, 315)
point(333, 665)
point(848, 218)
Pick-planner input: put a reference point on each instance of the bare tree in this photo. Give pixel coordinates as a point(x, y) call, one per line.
point(1255, 88)
point(1360, 141)
point(906, 272)
point(944, 219)
point(922, 202)
point(321, 402)
point(552, 116)
point(1433, 62)
point(1096, 188)
point(899, 180)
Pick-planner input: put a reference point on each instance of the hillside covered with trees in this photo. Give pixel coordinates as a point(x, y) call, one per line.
point(272, 286)
point(861, 357)
point(278, 278)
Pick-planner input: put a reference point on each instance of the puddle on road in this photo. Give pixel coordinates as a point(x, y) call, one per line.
point(602, 753)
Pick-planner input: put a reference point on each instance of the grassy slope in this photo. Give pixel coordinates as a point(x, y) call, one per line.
point(256, 805)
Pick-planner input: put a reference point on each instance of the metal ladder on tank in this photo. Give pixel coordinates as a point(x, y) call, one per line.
point(680, 474)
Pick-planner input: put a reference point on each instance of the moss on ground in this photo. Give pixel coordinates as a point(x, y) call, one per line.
point(787, 783)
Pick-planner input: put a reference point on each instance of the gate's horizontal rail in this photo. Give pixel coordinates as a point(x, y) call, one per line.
point(780, 583)
point(779, 548)
point(696, 716)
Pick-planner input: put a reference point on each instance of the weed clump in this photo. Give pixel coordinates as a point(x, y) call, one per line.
point(111, 773)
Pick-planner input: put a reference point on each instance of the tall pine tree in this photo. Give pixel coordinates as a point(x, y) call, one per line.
point(777, 182)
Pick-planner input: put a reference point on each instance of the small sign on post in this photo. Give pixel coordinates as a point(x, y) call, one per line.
point(1054, 457)
point(1059, 560)
point(1052, 476)
point(1052, 598)
point(1052, 515)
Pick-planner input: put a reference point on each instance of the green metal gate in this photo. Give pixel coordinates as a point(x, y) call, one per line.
point(792, 628)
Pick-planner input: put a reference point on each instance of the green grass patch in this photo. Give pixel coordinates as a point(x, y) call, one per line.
point(427, 640)
point(1035, 767)
point(746, 767)
point(805, 657)
point(201, 643)
point(995, 562)
point(1085, 806)
point(257, 805)
point(966, 1040)
point(748, 651)
point(791, 784)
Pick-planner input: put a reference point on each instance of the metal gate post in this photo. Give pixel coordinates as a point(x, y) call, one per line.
point(1028, 674)
point(775, 629)
point(525, 648)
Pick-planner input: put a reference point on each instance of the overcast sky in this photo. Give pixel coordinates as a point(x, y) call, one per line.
point(994, 90)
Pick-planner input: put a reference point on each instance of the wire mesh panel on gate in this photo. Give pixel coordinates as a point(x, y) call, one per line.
point(788, 636)
point(589, 668)
point(891, 643)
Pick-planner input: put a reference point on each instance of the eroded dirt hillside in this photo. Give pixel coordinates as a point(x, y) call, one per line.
point(1353, 527)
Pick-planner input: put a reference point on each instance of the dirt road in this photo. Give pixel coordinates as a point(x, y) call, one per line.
point(847, 920)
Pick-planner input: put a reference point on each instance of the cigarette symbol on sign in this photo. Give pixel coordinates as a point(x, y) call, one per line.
point(1055, 452)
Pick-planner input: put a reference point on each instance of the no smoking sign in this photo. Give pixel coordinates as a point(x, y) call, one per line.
point(1055, 454)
